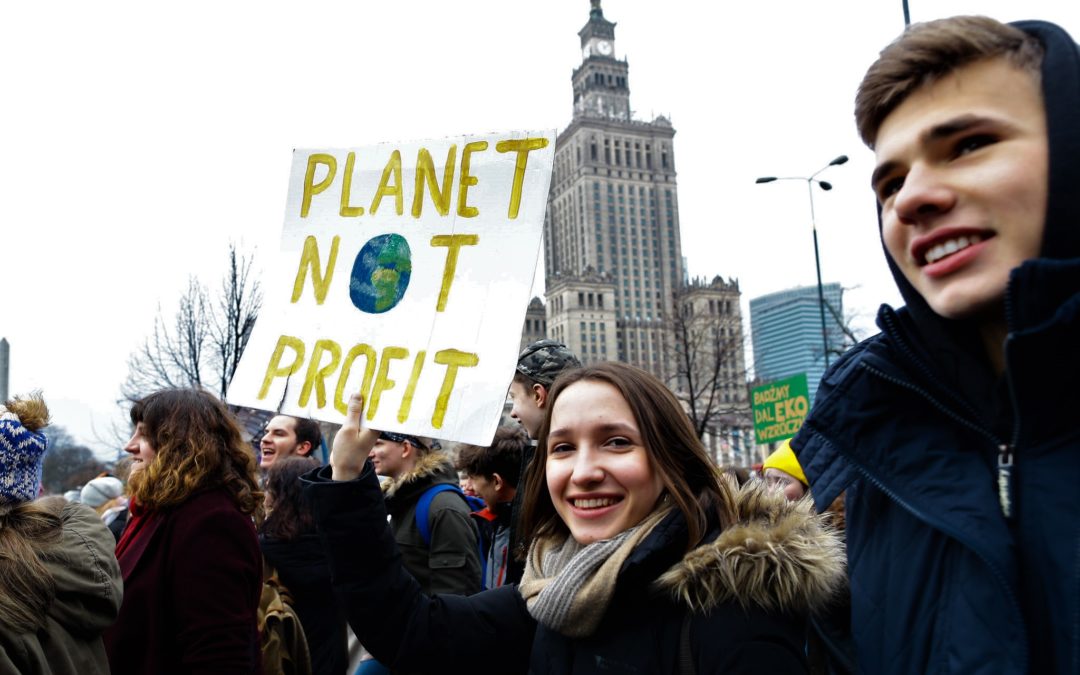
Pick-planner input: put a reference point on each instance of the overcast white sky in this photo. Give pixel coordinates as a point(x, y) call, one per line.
point(140, 138)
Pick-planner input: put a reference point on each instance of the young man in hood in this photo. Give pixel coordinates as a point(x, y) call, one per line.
point(953, 430)
point(494, 471)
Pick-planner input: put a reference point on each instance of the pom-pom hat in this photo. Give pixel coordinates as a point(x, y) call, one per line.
point(22, 449)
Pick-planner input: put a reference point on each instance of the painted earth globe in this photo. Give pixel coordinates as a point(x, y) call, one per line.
point(380, 273)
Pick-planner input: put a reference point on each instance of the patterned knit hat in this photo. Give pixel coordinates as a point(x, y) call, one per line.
point(22, 448)
point(543, 360)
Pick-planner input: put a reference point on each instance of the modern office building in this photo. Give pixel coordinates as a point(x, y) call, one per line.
point(785, 328)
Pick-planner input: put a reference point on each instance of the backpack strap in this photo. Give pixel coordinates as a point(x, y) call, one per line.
point(423, 508)
point(423, 522)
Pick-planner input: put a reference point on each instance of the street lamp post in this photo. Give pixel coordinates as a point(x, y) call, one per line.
point(824, 185)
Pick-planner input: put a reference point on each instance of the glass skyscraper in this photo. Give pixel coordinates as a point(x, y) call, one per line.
point(785, 328)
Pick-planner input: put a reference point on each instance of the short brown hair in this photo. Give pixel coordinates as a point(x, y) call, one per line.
point(197, 446)
point(502, 457)
point(689, 477)
point(308, 430)
point(926, 52)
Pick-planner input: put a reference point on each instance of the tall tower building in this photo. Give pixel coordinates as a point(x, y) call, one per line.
point(786, 332)
point(616, 287)
point(612, 249)
point(5, 354)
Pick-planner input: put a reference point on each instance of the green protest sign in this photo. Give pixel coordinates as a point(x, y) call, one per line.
point(780, 408)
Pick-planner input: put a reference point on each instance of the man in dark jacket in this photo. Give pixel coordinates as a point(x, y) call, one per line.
point(494, 471)
point(451, 562)
point(537, 367)
point(954, 430)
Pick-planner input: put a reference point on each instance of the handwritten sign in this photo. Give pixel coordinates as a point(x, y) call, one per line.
point(780, 408)
point(404, 273)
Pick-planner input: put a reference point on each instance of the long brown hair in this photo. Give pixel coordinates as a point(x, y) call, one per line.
point(289, 515)
point(28, 531)
point(674, 450)
point(197, 446)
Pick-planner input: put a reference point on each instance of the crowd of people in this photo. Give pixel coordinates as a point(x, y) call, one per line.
point(917, 523)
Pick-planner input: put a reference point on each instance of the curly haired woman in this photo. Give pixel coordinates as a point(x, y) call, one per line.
point(189, 556)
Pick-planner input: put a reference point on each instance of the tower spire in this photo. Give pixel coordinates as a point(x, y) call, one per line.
point(600, 84)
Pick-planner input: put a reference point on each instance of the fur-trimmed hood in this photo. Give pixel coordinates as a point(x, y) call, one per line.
point(780, 555)
point(433, 468)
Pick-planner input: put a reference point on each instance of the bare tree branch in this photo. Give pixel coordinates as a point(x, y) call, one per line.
point(202, 345)
point(710, 372)
point(237, 308)
point(844, 324)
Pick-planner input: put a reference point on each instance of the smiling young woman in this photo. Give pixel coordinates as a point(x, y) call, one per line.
point(640, 559)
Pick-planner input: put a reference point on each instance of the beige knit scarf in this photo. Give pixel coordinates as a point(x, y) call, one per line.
point(567, 586)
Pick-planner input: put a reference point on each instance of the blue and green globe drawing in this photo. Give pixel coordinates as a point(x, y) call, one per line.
point(380, 274)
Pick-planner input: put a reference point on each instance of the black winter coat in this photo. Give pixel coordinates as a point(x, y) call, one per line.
point(749, 588)
point(934, 449)
point(303, 568)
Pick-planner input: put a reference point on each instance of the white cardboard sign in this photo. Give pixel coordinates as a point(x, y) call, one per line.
point(404, 272)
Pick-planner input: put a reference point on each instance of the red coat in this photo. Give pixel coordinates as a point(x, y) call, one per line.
point(192, 581)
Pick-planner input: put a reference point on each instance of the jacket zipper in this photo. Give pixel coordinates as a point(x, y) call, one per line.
point(1015, 441)
point(1005, 451)
point(1002, 448)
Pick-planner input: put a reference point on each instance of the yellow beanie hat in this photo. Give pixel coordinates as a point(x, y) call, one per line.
point(784, 460)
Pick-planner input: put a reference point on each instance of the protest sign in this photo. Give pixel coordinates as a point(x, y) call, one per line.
point(404, 273)
point(780, 408)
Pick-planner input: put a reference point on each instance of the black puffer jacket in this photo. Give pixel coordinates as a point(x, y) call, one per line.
point(931, 446)
point(302, 567)
point(744, 593)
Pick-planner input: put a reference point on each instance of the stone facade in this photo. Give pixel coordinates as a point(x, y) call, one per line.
point(615, 274)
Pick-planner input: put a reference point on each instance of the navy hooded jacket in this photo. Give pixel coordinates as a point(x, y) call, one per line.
point(932, 448)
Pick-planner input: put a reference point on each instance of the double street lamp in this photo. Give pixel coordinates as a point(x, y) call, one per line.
point(824, 185)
